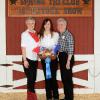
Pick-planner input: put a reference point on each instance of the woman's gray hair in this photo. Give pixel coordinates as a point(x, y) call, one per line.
point(62, 20)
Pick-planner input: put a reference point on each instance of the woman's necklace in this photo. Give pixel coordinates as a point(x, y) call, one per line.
point(47, 32)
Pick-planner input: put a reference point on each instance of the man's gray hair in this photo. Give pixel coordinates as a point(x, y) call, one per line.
point(30, 18)
point(62, 20)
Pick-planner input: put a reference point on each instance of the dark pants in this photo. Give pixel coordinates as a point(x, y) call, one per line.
point(66, 75)
point(31, 74)
point(51, 85)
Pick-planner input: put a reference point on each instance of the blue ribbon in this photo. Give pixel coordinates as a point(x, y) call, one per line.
point(56, 49)
point(48, 70)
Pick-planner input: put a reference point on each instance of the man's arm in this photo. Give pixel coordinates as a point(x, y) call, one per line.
point(70, 49)
point(69, 57)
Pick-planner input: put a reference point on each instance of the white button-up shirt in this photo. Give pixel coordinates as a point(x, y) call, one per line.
point(29, 43)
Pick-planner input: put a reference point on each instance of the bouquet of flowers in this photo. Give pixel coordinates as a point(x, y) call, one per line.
point(44, 52)
point(48, 55)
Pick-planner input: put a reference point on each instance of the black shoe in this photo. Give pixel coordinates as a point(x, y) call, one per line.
point(55, 99)
point(49, 99)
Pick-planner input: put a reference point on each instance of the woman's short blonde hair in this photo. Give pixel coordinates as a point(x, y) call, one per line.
point(29, 18)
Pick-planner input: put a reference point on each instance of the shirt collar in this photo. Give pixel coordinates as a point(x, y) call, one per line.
point(65, 32)
point(29, 31)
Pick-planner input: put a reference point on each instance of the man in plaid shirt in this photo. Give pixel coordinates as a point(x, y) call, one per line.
point(66, 58)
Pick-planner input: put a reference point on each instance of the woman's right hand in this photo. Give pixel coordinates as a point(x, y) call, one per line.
point(26, 64)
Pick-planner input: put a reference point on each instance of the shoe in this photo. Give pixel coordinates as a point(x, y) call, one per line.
point(55, 99)
point(49, 99)
point(31, 96)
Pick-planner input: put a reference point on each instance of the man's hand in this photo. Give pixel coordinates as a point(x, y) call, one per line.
point(26, 64)
point(68, 64)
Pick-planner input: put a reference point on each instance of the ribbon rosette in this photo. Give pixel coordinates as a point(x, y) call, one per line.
point(48, 70)
point(56, 49)
point(45, 54)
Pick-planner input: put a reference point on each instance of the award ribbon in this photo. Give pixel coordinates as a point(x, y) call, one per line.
point(48, 70)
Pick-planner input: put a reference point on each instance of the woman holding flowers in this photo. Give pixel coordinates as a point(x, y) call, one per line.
point(48, 42)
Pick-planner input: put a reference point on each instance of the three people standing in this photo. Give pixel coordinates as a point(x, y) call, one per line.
point(48, 38)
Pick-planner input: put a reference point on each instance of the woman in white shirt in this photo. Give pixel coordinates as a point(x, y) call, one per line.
point(48, 40)
point(29, 46)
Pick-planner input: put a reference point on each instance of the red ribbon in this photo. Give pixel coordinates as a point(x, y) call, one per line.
point(35, 37)
point(37, 49)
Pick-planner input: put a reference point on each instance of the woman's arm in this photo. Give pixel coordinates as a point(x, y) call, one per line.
point(26, 64)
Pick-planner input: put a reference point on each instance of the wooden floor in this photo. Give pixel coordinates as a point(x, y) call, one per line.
point(22, 96)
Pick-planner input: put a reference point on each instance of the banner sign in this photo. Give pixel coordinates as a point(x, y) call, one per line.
point(46, 8)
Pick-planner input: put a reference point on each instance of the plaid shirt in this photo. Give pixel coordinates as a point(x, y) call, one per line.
point(66, 42)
